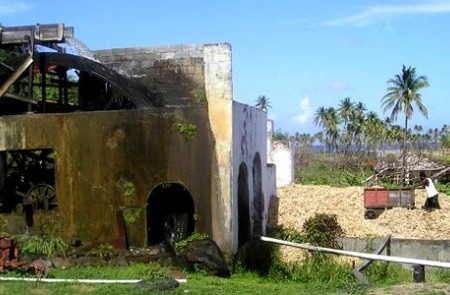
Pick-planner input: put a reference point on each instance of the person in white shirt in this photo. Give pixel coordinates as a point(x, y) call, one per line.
point(432, 201)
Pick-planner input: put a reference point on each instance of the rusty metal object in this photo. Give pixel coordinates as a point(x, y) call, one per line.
point(376, 200)
point(39, 33)
point(9, 259)
point(141, 97)
point(15, 75)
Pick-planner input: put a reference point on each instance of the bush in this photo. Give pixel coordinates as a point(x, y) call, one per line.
point(323, 230)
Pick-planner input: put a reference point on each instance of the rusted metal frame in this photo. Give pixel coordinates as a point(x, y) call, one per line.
point(16, 75)
point(21, 98)
point(47, 33)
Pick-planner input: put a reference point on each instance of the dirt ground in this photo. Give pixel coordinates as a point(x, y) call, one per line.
point(296, 203)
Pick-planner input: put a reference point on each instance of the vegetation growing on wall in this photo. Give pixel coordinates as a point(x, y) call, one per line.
point(131, 215)
point(199, 94)
point(188, 130)
point(128, 188)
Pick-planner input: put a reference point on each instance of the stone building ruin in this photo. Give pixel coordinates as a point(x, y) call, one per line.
point(132, 146)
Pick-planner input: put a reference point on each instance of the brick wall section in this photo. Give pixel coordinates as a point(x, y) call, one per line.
point(174, 73)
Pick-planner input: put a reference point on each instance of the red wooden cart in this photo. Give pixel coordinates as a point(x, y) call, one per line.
point(376, 200)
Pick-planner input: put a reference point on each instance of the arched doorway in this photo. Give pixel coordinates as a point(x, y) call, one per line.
point(244, 231)
point(258, 201)
point(170, 214)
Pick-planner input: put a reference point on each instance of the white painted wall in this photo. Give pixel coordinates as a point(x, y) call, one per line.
point(283, 158)
point(249, 138)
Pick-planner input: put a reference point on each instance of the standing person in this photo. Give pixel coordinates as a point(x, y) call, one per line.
point(432, 201)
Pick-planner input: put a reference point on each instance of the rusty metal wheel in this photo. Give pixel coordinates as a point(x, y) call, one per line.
point(42, 196)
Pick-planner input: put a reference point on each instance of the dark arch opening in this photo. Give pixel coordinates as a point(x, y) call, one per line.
point(243, 206)
point(258, 202)
point(170, 214)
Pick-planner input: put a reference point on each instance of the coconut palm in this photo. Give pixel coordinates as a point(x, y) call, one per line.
point(401, 95)
point(345, 109)
point(328, 119)
point(263, 103)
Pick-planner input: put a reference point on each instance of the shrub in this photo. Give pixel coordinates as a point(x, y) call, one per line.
point(323, 230)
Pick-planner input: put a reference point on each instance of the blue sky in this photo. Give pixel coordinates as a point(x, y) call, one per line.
point(300, 54)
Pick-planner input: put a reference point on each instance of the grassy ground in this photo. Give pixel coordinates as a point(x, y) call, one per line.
point(242, 283)
point(300, 279)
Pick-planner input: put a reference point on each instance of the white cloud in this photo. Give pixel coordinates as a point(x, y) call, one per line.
point(305, 111)
point(384, 12)
point(10, 7)
point(334, 86)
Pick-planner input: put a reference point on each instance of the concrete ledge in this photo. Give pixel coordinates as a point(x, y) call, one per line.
point(438, 250)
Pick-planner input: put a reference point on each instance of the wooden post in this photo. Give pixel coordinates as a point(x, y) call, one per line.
point(419, 273)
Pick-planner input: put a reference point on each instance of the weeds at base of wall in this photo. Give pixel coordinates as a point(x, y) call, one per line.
point(47, 239)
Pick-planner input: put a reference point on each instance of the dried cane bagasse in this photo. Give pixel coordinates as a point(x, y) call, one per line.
point(296, 203)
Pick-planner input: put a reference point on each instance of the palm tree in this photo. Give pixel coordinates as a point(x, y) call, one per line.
point(263, 103)
point(357, 124)
point(346, 108)
point(402, 93)
point(328, 119)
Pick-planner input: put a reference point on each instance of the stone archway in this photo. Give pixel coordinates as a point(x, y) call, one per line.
point(170, 214)
point(244, 231)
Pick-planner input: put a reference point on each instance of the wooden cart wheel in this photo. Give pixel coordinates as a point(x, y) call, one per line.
point(370, 214)
point(43, 197)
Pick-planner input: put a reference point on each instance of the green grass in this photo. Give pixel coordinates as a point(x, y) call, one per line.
point(317, 276)
point(197, 284)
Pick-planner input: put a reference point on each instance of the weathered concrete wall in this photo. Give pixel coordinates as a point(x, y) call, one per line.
point(438, 250)
point(202, 74)
point(219, 93)
point(97, 151)
point(283, 158)
point(174, 73)
point(249, 145)
point(193, 75)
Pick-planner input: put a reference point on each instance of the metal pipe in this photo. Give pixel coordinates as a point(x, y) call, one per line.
point(50, 33)
point(15, 75)
point(85, 281)
point(404, 260)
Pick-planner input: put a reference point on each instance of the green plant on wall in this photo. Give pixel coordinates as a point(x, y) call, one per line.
point(128, 188)
point(199, 94)
point(186, 129)
point(131, 215)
